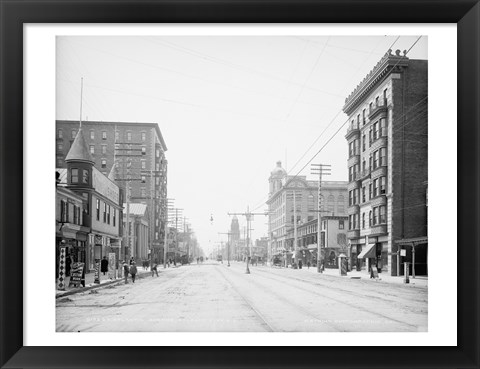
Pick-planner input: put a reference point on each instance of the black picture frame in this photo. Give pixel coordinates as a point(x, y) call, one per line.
point(14, 14)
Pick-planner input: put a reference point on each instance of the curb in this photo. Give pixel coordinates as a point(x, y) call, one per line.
point(95, 286)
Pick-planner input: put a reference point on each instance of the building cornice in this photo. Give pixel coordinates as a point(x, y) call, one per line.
point(382, 69)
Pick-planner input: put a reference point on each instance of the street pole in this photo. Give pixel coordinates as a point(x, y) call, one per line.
point(320, 169)
point(165, 244)
point(228, 246)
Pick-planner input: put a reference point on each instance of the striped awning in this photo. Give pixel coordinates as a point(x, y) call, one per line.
point(367, 252)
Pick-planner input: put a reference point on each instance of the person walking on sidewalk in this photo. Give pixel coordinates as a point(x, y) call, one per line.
point(133, 271)
point(154, 269)
point(104, 265)
point(125, 271)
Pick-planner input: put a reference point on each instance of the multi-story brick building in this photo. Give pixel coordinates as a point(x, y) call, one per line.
point(282, 214)
point(387, 163)
point(138, 150)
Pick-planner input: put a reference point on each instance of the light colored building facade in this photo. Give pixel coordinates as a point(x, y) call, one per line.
point(138, 230)
point(283, 213)
point(138, 150)
point(333, 240)
point(387, 163)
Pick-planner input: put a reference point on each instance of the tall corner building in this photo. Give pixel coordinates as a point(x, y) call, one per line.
point(138, 152)
point(387, 166)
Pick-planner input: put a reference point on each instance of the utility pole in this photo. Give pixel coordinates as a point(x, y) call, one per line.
point(165, 244)
point(228, 246)
point(320, 169)
point(248, 216)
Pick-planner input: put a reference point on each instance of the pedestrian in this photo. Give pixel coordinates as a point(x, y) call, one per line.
point(300, 264)
point(104, 265)
point(174, 263)
point(133, 271)
point(308, 264)
point(154, 269)
point(125, 271)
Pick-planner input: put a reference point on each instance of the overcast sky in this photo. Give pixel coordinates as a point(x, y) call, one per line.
point(228, 108)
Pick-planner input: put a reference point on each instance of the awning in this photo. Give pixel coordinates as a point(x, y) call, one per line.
point(312, 246)
point(367, 252)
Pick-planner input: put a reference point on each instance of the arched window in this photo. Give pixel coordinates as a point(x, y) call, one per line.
point(331, 203)
point(340, 204)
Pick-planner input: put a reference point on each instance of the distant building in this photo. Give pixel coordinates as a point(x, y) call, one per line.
point(138, 230)
point(234, 238)
point(388, 141)
point(333, 240)
point(260, 249)
point(283, 214)
point(138, 149)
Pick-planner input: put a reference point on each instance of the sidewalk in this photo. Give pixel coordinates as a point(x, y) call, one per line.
point(420, 281)
point(90, 277)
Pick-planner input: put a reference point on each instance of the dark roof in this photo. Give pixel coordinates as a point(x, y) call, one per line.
point(79, 150)
point(89, 122)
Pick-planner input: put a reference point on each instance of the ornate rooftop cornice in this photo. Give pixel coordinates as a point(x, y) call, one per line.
point(384, 67)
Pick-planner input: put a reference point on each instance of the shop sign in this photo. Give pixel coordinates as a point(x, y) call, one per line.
point(403, 252)
point(104, 186)
point(77, 275)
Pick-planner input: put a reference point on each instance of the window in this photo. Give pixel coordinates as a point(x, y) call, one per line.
point(104, 163)
point(85, 176)
point(370, 137)
point(385, 101)
point(376, 101)
point(143, 192)
point(350, 222)
point(364, 142)
point(370, 219)
point(383, 185)
point(144, 150)
point(144, 136)
point(92, 149)
point(350, 174)
point(62, 211)
point(117, 135)
point(383, 156)
point(363, 116)
point(375, 131)
point(340, 204)
point(143, 179)
point(74, 176)
point(363, 194)
point(114, 217)
point(108, 214)
point(157, 153)
point(370, 106)
point(350, 199)
point(92, 135)
point(363, 221)
point(144, 164)
point(383, 214)
point(74, 134)
point(60, 146)
point(370, 161)
point(129, 136)
point(375, 216)
point(383, 127)
point(375, 187)
point(370, 191)
point(59, 162)
point(355, 196)
point(341, 225)
point(98, 209)
point(104, 212)
point(375, 159)
point(60, 133)
point(104, 149)
point(331, 203)
point(364, 165)
point(67, 210)
point(358, 120)
point(104, 135)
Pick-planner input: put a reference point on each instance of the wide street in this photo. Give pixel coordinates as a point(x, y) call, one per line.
point(215, 297)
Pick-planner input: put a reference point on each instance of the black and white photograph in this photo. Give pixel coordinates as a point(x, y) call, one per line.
point(251, 183)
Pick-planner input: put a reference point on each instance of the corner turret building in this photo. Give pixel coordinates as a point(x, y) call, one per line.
point(387, 166)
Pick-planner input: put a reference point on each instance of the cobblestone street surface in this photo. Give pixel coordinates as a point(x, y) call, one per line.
point(214, 297)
